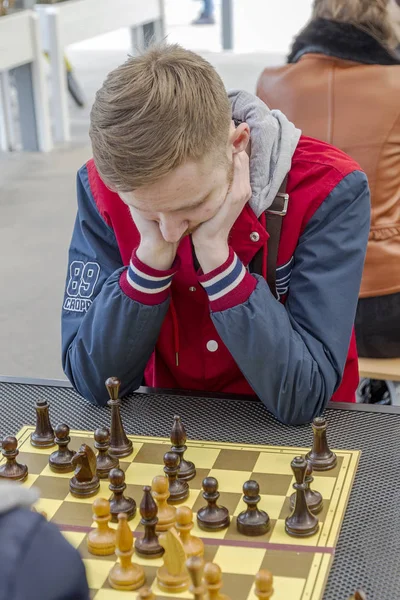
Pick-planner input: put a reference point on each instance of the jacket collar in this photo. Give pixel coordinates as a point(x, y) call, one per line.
point(341, 40)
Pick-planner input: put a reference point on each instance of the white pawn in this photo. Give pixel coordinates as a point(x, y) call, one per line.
point(192, 545)
point(166, 513)
point(101, 541)
point(264, 585)
point(213, 580)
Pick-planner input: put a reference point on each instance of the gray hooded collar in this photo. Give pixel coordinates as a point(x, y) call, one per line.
point(273, 142)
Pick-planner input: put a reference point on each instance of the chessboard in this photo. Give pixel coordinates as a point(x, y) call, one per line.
point(300, 566)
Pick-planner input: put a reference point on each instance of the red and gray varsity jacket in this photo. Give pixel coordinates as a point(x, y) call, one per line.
point(225, 331)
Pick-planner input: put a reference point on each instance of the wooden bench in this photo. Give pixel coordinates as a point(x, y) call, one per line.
point(380, 368)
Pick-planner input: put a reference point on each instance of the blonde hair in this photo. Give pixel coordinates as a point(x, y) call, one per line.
point(155, 112)
point(370, 15)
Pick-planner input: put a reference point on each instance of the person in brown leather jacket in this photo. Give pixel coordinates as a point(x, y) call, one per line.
point(342, 85)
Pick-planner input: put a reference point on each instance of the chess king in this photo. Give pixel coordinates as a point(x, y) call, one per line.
point(208, 225)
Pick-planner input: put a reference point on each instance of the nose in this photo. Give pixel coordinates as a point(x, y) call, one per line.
point(172, 229)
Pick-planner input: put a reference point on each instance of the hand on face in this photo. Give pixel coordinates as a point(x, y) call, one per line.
point(210, 239)
point(153, 250)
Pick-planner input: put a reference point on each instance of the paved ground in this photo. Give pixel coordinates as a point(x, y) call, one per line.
point(37, 196)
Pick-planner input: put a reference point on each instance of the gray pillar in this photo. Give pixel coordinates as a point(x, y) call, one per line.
point(26, 105)
point(227, 24)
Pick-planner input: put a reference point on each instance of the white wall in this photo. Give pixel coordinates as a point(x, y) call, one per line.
point(268, 25)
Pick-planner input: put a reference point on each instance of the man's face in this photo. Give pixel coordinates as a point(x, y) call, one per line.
point(183, 199)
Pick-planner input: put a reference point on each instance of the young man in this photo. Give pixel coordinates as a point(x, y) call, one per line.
point(171, 224)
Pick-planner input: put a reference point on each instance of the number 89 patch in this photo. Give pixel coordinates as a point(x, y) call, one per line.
point(80, 288)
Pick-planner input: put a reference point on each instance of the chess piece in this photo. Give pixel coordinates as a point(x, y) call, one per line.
point(43, 436)
point(11, 469)
point(85, 482)
point(146, 594)
point(321, 457)
point(359, 595)
point(125, 575)
point(105, 462)
point(195, 566)
point(213, 579)
point(264, 585)
point(187, 470)
point(192, 545)
point(252, 521)
point(178, 488)
point(172, 577)
point(60, 461)
point(118, 502)
point(101, 541)
point(314, 499)
point(212, 517)
point(166, 513)
point(148, 546)
point(120, 445)
point(301, 522)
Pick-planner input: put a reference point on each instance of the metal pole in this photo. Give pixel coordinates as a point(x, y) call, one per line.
point(227, 24)
point(58, 77)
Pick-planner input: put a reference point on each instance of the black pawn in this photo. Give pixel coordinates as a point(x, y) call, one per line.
point(104, 461)
point(301, 522)
point(60, 461)
point(252, 521)
point(43, 436)
point(314, 499)
point(118, 502)
point(120, 445)
point(148, 546)
point(187, 470)
point(212, 517)
point(321, 456)
point(178, 488)
point(12, 469)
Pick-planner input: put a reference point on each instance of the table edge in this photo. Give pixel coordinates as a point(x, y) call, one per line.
point(63, 383)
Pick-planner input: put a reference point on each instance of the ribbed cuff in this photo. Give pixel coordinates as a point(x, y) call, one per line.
point(228, 285)
point(146, 285)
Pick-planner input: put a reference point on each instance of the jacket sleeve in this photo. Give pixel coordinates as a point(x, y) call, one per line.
point(106, 331)
point(293, 356)
point(50, 568)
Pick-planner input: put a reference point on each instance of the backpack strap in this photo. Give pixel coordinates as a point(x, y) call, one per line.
point(274, 216)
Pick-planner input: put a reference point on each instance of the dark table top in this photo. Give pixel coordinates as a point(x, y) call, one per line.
point(368, 551)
